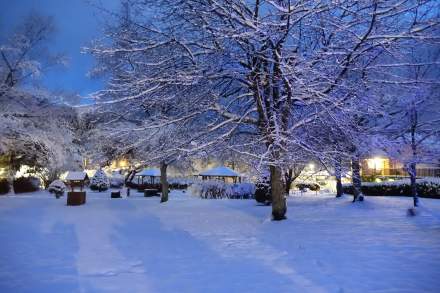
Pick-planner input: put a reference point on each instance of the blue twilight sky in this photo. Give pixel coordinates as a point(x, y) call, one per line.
point(77, 24)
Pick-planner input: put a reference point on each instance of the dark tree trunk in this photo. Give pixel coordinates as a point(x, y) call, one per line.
point(413, 167)
point(278, 200)
point(413, 175)
point(130, 176)
point(356, 179)
point(338, 175)
point(288, 178)
point(11, 172)
point(164, 182)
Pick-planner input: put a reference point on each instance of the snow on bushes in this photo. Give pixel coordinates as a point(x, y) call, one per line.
point(181, 182)
point(99, 181)
point(263, 191)
point(308, 185)
point(57, 187)
point(426, 187)
point(214, 189)
point(117, 180)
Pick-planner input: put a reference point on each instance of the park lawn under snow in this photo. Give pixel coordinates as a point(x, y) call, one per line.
point(137, 244)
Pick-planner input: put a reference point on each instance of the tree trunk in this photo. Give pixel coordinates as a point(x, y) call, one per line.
point(413, 175)
point(338, 175)
point(278, 200)
point(164, 182)
point(413, 165)
point(356, 179)
point(288, 178)
point(11, 173)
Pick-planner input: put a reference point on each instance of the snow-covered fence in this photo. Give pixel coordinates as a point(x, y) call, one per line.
point(426, 187)
point(214, 189)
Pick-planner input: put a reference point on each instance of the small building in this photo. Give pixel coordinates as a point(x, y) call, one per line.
point(76, 179)
point(221, 173)
point(385, 167)
point(152, 176)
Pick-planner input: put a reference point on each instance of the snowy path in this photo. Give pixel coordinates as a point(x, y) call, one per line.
point(191, 245)
point(99, 263)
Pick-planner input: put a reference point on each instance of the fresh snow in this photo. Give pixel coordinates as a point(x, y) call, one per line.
point(75, 175)
point(189, 244)
point(149, 172)
point(220, 171)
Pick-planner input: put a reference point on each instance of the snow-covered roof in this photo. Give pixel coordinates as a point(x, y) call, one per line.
point(149, 172)
point(76, 175)
point(220, 171)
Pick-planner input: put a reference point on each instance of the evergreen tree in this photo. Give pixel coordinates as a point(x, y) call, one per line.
point(99, 181)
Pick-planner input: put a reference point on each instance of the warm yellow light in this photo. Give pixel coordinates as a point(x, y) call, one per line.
point(123, 163)
point(376, 163)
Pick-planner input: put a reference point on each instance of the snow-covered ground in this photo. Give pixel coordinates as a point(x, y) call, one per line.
point(137, 244)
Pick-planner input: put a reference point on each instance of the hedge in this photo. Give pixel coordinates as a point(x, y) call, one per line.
point(309, 186)
point(214, 189)
point(26, 184)
point(4, 186)
point(425, 188)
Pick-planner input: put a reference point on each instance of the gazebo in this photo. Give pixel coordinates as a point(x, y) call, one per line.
point(221, 173)
point(151, 174)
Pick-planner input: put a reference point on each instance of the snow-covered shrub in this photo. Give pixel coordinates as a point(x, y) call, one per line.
point(427, 187)
point(57, 187)
point(243, 190)
point(4, 186)
point(214, 189)
point(99, 181)
point(263, 191)
point(308, 185)
point(117, 180)
point(26, 184)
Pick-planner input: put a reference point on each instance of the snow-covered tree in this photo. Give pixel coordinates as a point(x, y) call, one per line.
point(415, 112)
point(25, 55)
point(255, 74)
point(38, 133)
point(99, 181)
point(34, 130)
